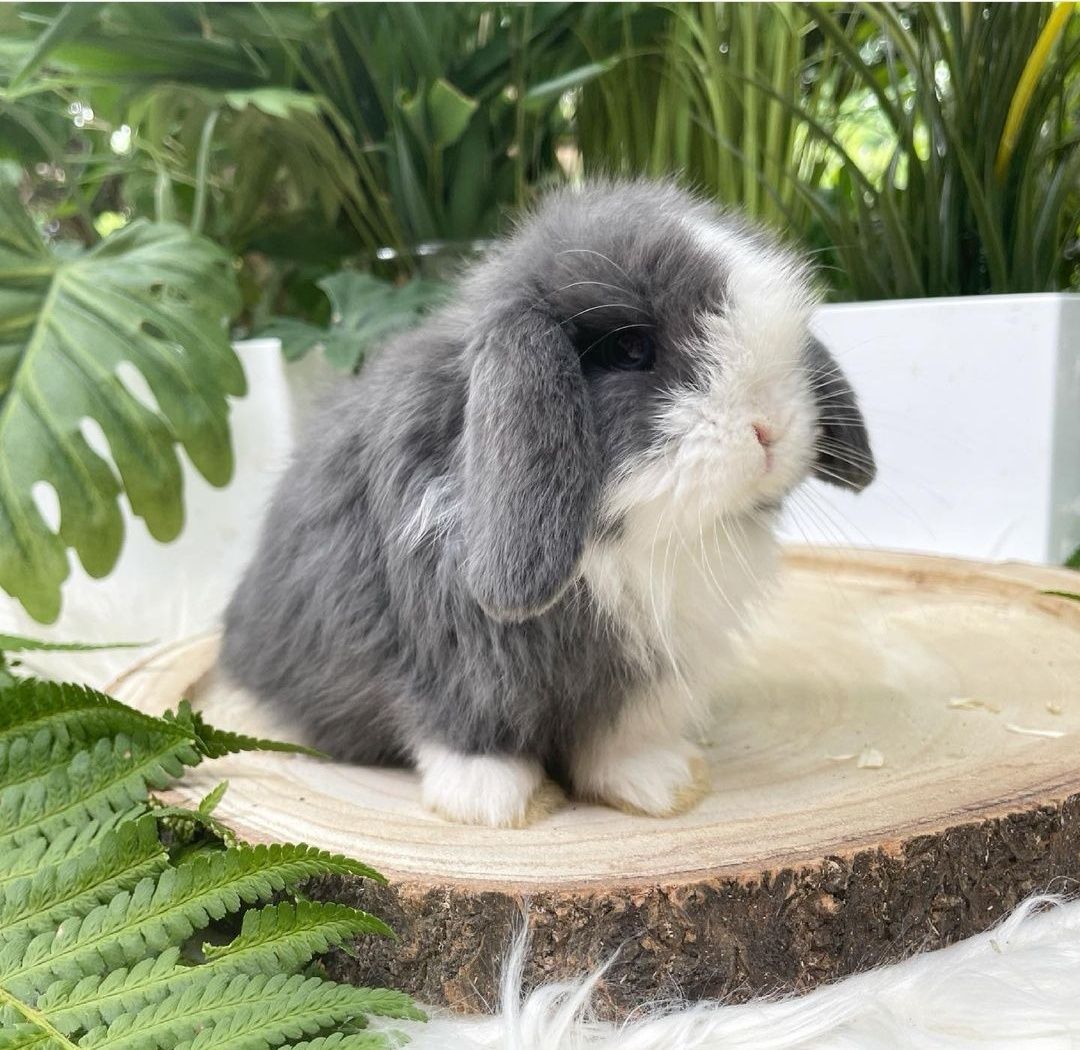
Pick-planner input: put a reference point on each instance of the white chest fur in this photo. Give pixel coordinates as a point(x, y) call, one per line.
point(677, 594)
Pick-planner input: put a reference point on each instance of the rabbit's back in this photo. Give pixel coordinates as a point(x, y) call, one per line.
point(313, 627)
point(353, 619)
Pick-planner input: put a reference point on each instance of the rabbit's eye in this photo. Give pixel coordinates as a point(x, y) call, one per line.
point(627, 351)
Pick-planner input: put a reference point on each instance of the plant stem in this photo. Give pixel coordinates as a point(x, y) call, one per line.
point(202, 170)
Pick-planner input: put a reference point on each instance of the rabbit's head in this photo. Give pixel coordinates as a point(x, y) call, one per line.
point(631, 346)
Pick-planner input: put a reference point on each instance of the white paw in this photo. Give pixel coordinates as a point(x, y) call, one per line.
point(499, 791)
point(659, 780)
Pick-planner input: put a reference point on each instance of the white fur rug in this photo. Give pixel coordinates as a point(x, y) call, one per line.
point(1015, 988)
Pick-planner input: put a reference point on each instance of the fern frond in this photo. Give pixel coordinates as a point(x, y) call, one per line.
point(95, 785)
point(243, 1012)
point(74, 885)
point(95, 913)
point(36, 852)
point(215, 743)
point(307, 929)
point(155, 915)
point(282, 937)
point(18, 643)
point(84, 714)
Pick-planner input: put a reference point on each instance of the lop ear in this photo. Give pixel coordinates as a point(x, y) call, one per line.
point(843, 456)
point(532, 466)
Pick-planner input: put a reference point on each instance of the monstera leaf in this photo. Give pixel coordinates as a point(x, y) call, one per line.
point(154, 296)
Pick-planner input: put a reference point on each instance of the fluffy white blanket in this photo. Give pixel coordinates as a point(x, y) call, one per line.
point(1015, 988)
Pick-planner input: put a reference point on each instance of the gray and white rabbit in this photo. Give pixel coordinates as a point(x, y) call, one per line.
point(518, 543)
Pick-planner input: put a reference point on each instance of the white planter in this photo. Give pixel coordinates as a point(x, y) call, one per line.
point(973, 406)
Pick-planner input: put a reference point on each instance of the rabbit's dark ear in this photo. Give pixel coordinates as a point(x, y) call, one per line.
point(532, 466)
point(843, 450)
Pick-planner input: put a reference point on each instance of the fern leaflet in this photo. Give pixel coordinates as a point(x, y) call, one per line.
point(283, 936)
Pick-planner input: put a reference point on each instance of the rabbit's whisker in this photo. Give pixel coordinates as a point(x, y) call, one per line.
point(579, 284)
point(603, 306)
point(621, 328)
point(591, 251)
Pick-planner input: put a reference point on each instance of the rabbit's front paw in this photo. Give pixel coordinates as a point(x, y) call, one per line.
point(498, 791)
point(658, 780)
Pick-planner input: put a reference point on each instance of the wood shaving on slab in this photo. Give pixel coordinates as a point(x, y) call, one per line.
point(868, 758)
point(1054, 709)
point(1051, 734)
point(972, 703)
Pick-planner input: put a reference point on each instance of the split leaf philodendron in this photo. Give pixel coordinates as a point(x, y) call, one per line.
point(152, 297)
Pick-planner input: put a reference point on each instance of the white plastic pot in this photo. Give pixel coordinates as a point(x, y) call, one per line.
point(974, 411)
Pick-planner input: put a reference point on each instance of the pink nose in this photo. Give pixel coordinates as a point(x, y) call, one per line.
point(763, 434)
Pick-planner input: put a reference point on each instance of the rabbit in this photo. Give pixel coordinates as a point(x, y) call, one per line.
point(514, 549)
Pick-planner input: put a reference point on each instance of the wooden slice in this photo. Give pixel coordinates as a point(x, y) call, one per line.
point(894, 767)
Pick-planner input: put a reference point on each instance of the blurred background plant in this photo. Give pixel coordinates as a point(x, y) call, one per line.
point(393, 139)
point(348, 157)
point(943, 135)
point(302, 138)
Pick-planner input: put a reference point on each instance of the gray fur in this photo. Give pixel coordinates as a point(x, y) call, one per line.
point(416, 575)
point(531, 475)
point(843, 452)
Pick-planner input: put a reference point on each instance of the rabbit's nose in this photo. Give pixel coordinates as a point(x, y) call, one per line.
point(765, 436)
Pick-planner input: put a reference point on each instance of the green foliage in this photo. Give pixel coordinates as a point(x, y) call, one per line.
point(11, 643)
point(707, 92)
point(153, 297)
point(100, 928)
point(279, 938)
point(445, 92)
point(981, 192)
point(214, 743)
point(364, 311)
point(14, 643)
point(943, 135)
point(300, 136)
point(306, 135)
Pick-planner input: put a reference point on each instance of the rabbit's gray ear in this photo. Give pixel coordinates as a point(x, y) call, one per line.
point(532, 466)
point(843, 455)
